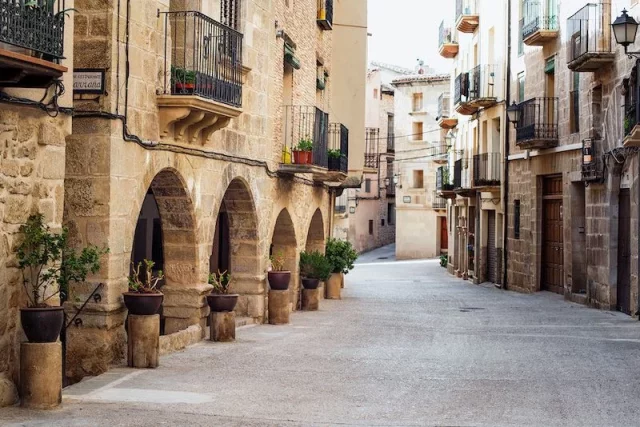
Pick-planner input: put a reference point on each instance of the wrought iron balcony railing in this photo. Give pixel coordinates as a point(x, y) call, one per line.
point(304, 126)
point(538, 121)
point(461, 88)
point(461, 174)
point(589, 37)
point(202, 57)
point(36, 25)
point(443, 105)
point(439, 153)
point(372, 137)
point(338, 142)
point(446, 35)
point(325, 14)
point(536, 17)
point(482, 82)
point(486, 169)
point(438, 202)
point(443, 179)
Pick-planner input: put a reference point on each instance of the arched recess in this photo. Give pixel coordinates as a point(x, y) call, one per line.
point(315, 235)
point(166, 233)
point(236, 248)
point(284, 242)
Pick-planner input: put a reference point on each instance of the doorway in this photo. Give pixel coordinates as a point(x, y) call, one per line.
point(624, 252)
point(552, 268)
point(492, 256)
point(444, 235)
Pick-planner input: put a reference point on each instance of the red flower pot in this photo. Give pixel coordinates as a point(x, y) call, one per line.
point(302, 157)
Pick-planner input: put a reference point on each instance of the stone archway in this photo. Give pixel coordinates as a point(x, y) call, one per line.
point(236, 248)
point(315, 235)
point(284, 241)
point(166, 219)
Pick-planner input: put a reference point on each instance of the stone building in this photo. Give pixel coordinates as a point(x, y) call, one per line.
point(185, 155)
point(369, 223)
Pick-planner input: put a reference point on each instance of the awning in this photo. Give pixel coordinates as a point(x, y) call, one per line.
point(290, 57)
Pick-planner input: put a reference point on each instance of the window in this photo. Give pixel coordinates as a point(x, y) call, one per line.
point(418, 134)
point(417, 102)
point(391, 213)
point(418, 179)
point(382, 222)
point(230, 13)
point(574, 104)
point(371, 227)
point(516, 214)
point(367, 185)
point(390, 133)
point(521, 81)
point(375, 94)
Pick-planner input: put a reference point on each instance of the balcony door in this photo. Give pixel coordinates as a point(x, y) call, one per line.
point(549, 90)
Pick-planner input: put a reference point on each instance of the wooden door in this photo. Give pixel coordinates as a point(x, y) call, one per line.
point(552, 268)
point(624, 252)
point(492, 256)
point(444, 235)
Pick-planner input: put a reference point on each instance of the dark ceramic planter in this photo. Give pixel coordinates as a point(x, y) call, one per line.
point(220, 302)
point(142, 304)
point(42, 324)
point(279, 280)
point(310, 283)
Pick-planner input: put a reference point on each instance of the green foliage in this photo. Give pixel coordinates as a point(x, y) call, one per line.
point(220, 282)
point(305, 144)
point(314, 265)
point(341, 255)
point(444, 260)
point(48, 264)
point(181, 75)
point(277, 261)
point(150, 281)
point(334, 153)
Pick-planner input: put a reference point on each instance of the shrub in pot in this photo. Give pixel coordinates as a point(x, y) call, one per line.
point(48, 266)
point(144, 298)
point(341, 255)
point(314, 267)
point(335, 156)
point(278, 277)
point(220, 299)
point(302, 154)
point(183, 80)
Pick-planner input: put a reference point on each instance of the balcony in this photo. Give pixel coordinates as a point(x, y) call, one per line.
point(444, 187)
point(539, 25)
point(325, 14)
point(371, 158)
point(439, 154)
point(306, 141)
point(537, 126)
point(462, 178)
point(391, 185)
point(338, 154)
point(391, 141)
point(589, 37)
point(31, 43)
point(486, 170)
point(482, 86)
point(461, 96)
point(467, 18)
point(631, 119)
point(438, 203)
point(203, 76)
point(444, 112)
point(447, 45)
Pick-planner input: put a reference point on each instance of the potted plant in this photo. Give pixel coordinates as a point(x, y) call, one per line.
point(183, 80)
point(302, 152)
point(314, 267)
point(341, 255)
point(335, 156)
point(144, 298)
point(278, 277)
point(48, 265)
point(220, 299)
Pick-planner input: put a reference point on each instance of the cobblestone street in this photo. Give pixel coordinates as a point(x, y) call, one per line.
point(408, 345)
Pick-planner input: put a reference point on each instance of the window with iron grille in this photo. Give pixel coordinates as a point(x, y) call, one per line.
point(574, 104)
point(372, 136)
point(391, 139)
point(230, 13)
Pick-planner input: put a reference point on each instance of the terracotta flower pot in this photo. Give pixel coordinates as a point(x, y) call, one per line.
point(279, 280)
point(222, 302)
point(184, 87)
point(302, 157)
point(42, 324)
point(143, 304)
point(310, 283)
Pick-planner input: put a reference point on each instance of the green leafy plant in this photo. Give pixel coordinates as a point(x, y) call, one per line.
point(220, 282)
point(341, 255)
point(277, 262)
point(48, 264)
point(305, 144)
point(334, 153)
point(314, 265)
point(181, 75)
point(627, 125)
point(444, 260)
point(148, 284)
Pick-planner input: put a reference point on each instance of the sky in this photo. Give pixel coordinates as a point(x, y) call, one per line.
point(405, 30)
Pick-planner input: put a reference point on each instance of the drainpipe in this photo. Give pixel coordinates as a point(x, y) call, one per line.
point(505, 209)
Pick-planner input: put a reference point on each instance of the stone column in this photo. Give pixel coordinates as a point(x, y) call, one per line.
point(279, 307)
point(41, 375)
point(334, 286)
point(143, 341)
point(310, 299)
point(222, 326)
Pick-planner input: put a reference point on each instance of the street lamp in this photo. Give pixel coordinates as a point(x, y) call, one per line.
point(513, 113)
point(625, 29)
point(386, 182)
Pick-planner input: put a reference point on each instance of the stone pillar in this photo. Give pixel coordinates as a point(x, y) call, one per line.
point(41, 375)
point(222, 326)
point(279, 307)
point(143, 341)
point(334, 286)
point(310, 299)
point(184, 306)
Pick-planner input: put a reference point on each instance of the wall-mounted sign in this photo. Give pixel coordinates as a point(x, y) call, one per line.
point(406, 199)
point(352, 209)
point(88, 80)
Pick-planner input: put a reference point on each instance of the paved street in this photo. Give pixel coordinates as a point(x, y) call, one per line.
point(408, 345)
